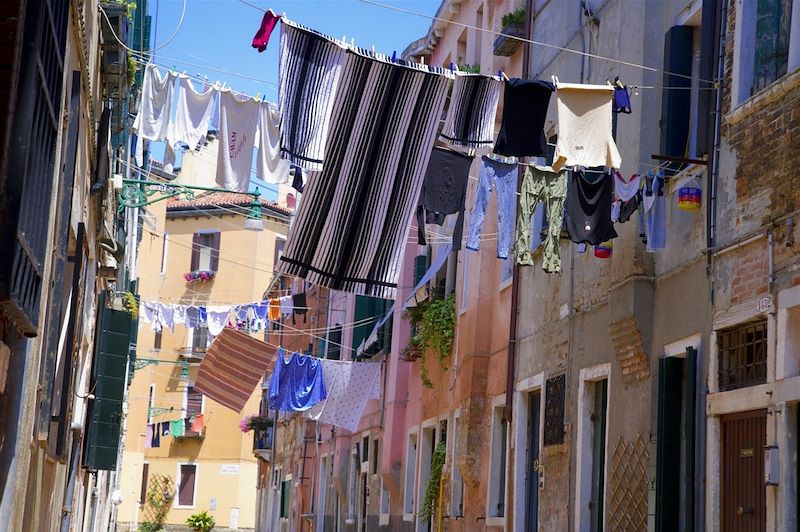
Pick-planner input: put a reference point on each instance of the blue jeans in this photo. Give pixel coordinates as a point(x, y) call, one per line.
point(505, 177)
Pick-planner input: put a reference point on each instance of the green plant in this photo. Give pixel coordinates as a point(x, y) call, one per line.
point(131, 6)
point(514, 18)
point(470, 69)
point(433, 324)
point(434, 483)
point(201, 521)
point(150, 527)
point(130, 305)
point(133, 68)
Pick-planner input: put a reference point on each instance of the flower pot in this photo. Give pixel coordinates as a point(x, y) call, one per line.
point(505, 44)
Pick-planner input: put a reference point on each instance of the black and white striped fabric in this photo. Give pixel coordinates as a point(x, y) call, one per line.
point(473, 105)
point(352, 223)
point(310, 69)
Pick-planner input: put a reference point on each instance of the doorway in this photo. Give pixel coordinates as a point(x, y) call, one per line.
point(532, 466)
point(744, 435)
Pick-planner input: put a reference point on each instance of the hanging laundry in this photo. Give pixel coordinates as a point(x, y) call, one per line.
point(297, 383)
point(299, 179)
point(541, 184)
point(176, 428)
point(149, 436)
point(350, 385)
point(274, 310)
point(148, 312)
point(270, 166)
point(261, 38)
point(237, 136)
point(166, 316)
point(628, 208)
point(656, 215)
point(164, 428)
point(627, 197)
point(351, 227)
point(232, 368)
point(584, 127)
point(444, 192)
point(217, 318)
point(299, 303)
point(504, 176)
point(286, 304)
point(473, 106)
point(622, 99)
point(588, 211)
point(195, 316)
point(179, 315)
point(196, 424)
point(525, 105)
point(193, 114)
point(155, 107)
point(260, 317)
point(310, 72)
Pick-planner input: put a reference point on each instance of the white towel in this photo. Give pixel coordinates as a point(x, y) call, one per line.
point(155, 107)
point(217, 318)
point(584, 127)
point(350, 385)
point(237, 135)
point(192, 115)
point(270, 167)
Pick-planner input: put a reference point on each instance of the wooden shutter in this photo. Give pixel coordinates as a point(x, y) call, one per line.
point(215, 240)
point(676, 104)
point(186, 487)
point(157, 340)
point(143, 489)
point(194, 401)
point(196, 238)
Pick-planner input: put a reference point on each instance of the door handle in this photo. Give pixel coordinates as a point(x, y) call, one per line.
point(741, 511)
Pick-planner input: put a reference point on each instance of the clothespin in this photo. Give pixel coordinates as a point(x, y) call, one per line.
point(451, 67)
point(500, 75)
point(394, 56)
point(555, 80)
point(422, 60)
point(258, 97)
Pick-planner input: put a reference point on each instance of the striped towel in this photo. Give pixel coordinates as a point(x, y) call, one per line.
point(232, 368)
point(473, 105)
point(352, 225)
point(310, 69)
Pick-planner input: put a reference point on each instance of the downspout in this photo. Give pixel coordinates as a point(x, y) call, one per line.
point(512, 328)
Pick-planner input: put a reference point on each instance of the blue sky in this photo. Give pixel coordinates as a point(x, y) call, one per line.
point(219, 34)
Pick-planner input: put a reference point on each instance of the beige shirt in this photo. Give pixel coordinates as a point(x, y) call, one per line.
point(584, 127)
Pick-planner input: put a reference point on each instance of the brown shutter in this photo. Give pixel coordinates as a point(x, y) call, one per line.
point(215, 239)
point(186, 487)
point(143, 492)
point(157, 340)
point(195, 252)
point(194, 401)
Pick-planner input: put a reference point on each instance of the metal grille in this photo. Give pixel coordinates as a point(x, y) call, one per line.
point(742, 355)
point(555, 393)
point(627, 497)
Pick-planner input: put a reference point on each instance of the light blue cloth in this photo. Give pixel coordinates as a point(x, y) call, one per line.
point(504, 176)
point(656, 217)
point(296, 384)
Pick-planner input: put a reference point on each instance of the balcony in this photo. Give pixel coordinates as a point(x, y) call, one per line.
point(262, 443)
point(191, 354)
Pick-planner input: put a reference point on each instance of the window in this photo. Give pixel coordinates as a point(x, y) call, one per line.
point(151, 399)
point(411, 469)
point(157, 340)
point(164, 249)
point(199, 339)
point(143, 489)
point(205, 251)
point(187, 478)
point(375, 456)
point(286, 487)
point(742, 355)
point(426, 447)
point(368, 311)
point(193, 401)
point(497, 467)
point(590, 482)
point(765, 47)
point(334, 343)
point(280, 243)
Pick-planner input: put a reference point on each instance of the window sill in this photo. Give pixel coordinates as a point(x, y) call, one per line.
point(496, 521)
point(765, 96)
point(408, 517)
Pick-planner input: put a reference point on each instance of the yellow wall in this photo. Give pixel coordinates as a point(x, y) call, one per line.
point(245, 270)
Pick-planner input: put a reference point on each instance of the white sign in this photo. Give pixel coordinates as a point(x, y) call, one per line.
point(765, 305)
point(229, 469)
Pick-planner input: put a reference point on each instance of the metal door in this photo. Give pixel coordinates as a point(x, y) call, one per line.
point(744, 435)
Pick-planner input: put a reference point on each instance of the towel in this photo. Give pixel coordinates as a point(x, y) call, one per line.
point(237, 140)
point(270, 166)
point(193, 114)
point(473, 106)
point(350, 385)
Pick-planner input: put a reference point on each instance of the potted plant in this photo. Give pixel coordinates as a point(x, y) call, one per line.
point(513, 28)
point(255, 422)
point(201, 522)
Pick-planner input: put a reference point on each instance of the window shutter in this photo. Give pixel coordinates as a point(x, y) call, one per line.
point(157, 340)
point(194, 401)
point(676, 104)
point(143, 489)
point(186, 488)
point(668, 444)
point(215, 240)
point(195, 252)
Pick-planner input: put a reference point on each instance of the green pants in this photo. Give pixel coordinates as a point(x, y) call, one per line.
point(541, 184)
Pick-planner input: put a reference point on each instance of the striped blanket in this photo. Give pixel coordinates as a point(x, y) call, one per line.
point(310, 69)
point(352, 224)
point(473, 105)
point(232, 368)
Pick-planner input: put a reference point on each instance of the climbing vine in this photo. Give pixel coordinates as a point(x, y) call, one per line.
point(433, 324)
point(434, 483)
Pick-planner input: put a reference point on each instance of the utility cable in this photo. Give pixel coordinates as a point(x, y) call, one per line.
point(114, 33)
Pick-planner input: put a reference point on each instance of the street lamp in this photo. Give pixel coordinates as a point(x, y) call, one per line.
point(254, 220)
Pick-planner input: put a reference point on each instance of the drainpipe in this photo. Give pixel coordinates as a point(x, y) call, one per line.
point(512, 328)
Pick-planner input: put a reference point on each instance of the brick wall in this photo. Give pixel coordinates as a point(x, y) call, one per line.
point(749, 276)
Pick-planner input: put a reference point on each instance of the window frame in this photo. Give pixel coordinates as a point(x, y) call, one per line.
point(179, 475)
point(498, 477)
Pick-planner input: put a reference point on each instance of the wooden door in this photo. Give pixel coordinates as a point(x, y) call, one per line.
point(744, 435)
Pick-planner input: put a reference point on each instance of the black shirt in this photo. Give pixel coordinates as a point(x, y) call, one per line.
point(588, 211)
point(525, 105)
point(444, 191)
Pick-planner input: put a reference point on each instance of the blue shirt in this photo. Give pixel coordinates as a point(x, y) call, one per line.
point(297, 384)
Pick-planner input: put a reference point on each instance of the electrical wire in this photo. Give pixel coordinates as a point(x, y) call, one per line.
point(114, 33)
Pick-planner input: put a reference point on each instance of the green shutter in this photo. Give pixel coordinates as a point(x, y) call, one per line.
point(112, 344)
point(689, 407)
point(420, 267)
point(668, 444)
